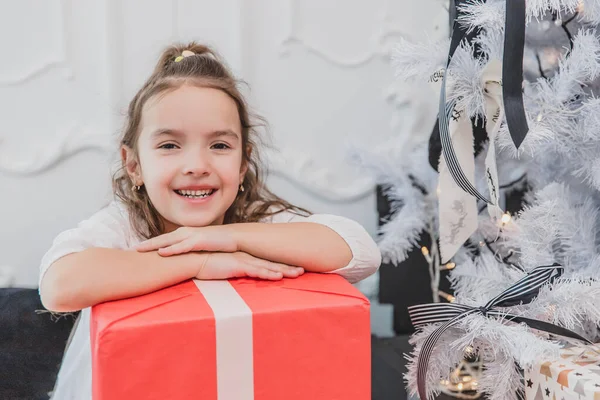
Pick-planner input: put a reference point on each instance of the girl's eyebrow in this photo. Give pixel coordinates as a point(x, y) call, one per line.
point(174, 132)
point(165, 131)
point(226, 132)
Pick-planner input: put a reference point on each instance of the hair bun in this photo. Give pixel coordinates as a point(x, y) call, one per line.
point(198, 49)
point(179, 51)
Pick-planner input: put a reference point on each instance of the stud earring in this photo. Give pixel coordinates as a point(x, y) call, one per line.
point(135, 188)
point(241, 187)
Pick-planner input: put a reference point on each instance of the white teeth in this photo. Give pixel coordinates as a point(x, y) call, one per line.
point(195, 193)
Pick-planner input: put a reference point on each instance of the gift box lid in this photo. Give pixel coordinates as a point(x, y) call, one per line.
point(309, 291)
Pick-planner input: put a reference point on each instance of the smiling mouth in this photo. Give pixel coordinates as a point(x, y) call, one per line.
point(195, 194)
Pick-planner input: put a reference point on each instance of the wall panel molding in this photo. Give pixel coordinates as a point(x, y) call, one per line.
point(379, 45)
point(322, 181)
point(66, 143)
point(41, 67)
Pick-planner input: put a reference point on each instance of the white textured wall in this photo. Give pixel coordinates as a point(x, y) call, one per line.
point(318, 70)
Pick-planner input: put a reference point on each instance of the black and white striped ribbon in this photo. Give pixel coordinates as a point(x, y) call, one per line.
point(446, 112)
point(449, 314)
point(512, 77)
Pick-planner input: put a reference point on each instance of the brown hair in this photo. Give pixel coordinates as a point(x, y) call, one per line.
point(203, 69)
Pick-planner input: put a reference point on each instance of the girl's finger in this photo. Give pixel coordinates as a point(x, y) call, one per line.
point(178, 248)
point(262, 273)
point(161, 241)
point(287, 270)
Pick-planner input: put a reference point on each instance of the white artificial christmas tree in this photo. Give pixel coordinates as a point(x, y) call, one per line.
point(557, 165)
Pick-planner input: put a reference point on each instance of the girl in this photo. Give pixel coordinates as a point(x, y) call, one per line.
point(191, 204)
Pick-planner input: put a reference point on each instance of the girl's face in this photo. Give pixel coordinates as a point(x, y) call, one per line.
point(189, 155)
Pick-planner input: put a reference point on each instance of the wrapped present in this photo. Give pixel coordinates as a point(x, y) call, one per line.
point(575, 375)
point(294, 339)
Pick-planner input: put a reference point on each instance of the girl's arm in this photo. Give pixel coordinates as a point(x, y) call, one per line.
point(92, 263)
point(314, 247)
point(96, 275)
point(318, 243)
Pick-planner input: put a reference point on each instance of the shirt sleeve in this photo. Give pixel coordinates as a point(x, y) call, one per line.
point(107, 228)
point(366, 257)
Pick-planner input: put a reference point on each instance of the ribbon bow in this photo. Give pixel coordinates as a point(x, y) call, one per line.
point(503, 92)
point(521, 292)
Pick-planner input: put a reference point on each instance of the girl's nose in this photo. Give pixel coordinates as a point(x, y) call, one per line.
point(196, 164)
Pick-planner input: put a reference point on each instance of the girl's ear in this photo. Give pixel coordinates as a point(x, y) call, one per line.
point(131, 165)
point(245, 162)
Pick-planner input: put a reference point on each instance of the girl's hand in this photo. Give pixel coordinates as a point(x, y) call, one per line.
point(188, 239)
point(239, 264)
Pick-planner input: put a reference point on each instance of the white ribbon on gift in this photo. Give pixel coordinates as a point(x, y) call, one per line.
point(458, 214)
point(233, 322)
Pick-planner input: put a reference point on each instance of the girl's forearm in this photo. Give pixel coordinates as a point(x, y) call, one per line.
point(96, 275)
point(315, 247)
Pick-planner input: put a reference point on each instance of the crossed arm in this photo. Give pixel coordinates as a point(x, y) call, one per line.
point(260, 250)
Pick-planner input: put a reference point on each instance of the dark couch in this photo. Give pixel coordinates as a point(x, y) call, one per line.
point(31, 345)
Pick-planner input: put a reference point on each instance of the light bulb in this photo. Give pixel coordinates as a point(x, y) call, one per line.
point(446, 296)
point(425, 251)
point(505, 218)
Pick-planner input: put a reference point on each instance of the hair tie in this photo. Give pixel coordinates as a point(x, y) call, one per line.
point(185, 53)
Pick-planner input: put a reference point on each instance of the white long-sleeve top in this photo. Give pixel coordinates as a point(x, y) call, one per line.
point(110, 228)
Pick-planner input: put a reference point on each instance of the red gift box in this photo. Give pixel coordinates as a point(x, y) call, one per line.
point(296, 339)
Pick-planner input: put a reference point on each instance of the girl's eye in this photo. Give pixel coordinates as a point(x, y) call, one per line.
point(167, 146)
point(220, 146)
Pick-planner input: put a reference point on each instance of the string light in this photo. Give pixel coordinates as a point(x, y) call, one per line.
point(425, 252)
point(505, 218)
point(448, 297)
point(463, 380)
point(448, 267)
